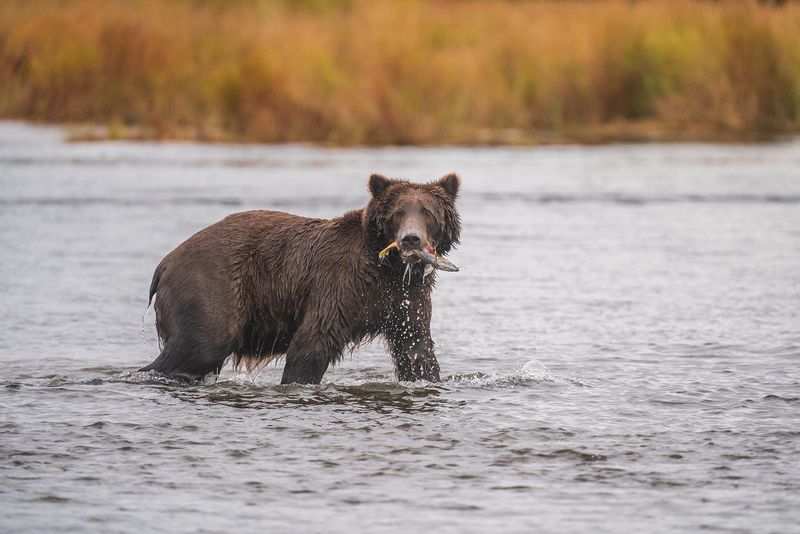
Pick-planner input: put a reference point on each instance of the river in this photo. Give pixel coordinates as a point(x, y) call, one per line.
point(620, 350)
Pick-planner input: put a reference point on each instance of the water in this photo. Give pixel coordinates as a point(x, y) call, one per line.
point(620, 349)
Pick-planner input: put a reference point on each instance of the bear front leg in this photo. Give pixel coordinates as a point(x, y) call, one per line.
point(414, 360)
point(308, 356)
point(408, 334)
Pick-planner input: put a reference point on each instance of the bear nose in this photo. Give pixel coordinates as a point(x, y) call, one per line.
point(411, 240)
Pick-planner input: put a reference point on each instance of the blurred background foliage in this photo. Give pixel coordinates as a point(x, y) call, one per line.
point(404, 72)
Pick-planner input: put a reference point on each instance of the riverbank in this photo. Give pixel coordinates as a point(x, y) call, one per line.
point(375, 73)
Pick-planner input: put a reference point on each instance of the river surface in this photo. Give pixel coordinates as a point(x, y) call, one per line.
point(620, 351)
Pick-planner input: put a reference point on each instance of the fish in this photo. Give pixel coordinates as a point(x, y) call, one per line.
point(427, 256)
point(383, 253)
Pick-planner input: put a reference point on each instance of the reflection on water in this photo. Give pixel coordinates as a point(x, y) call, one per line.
point(377, 397)
point(619, 348)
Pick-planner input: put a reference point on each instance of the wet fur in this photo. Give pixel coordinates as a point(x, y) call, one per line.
point(261, 284)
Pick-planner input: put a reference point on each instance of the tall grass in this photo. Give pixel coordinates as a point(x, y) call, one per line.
point(375, 72)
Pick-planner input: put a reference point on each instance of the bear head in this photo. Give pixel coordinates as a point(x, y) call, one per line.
point(412, 215)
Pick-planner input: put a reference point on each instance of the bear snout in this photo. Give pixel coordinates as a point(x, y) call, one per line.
point(412, 235)
point(411, 240)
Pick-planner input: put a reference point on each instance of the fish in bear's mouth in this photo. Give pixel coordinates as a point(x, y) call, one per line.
point(427, 255)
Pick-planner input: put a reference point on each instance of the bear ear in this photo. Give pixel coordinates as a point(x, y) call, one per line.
point(378, 184)
point(450, 184)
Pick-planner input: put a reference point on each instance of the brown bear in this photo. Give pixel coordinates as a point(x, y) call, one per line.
point(260, 284)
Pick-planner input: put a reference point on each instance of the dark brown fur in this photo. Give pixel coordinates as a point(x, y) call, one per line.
point(261, 284)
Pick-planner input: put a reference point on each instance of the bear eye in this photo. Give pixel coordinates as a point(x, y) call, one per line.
point(400, 212)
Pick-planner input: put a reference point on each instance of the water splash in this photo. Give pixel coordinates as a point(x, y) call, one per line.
point(533, 372)
point(147, 377)
point(536, 370)
point(144, 315)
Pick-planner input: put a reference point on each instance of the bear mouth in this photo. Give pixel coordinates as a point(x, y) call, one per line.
point(415, 255)
point(407, 254)
point(426, 255)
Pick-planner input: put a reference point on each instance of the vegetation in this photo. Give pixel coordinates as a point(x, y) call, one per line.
point(376, 72)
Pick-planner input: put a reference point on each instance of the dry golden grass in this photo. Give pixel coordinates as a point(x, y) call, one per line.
point(374, 72)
